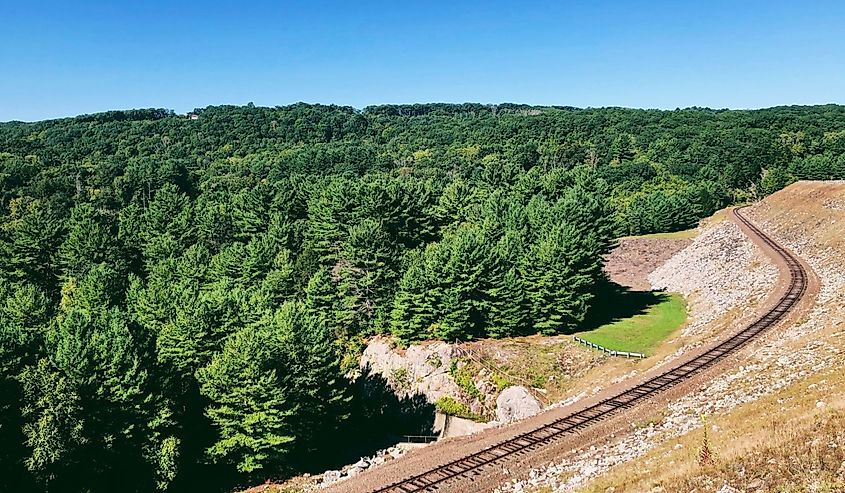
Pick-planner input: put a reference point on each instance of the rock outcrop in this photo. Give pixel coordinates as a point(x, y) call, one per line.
point(419, 369)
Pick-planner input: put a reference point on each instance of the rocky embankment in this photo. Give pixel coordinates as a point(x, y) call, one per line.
point(807, 217)
point(364, 463)
point(439, 370)
point(634, 258)
point(719, 272)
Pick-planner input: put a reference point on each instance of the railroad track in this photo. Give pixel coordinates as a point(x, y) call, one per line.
point(472, 465)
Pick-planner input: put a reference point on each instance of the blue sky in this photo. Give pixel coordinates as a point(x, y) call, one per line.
point(62, 58)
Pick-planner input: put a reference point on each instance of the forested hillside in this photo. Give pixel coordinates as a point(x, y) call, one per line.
point(182, 300)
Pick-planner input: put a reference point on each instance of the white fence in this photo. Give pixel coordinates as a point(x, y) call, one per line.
point(624, 354)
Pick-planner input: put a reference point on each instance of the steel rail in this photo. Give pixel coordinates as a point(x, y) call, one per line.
point(472, 464)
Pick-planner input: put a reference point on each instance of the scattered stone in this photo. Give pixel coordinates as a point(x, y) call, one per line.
point(330, 477)
point(756, 484)
point(363, 464)
point(731, 274)
point(726, 488)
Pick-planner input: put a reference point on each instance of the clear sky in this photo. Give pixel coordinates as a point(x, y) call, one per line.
point(62, 58)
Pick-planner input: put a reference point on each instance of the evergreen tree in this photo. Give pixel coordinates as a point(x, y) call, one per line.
point(325, 302)
point(413, 308)
point(505, 307)
point(461, 277)
point(330, 211)
point(250, 211)
point(319, 388)
point(557, 281)
point(251, 407)
point(23, 318)
point(88, 405)
point(91, 240)
point(29, 241)
point(168, 228)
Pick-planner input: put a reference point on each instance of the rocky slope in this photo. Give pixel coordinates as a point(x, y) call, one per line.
point(721, 270)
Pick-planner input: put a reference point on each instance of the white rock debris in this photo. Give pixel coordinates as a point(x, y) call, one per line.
point(516, 403)
point(364, 463)
point(720, 270)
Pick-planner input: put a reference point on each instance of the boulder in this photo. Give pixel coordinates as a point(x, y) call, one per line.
point(516, 403)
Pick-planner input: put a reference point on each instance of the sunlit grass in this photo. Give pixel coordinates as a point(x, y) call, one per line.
point(643, 331)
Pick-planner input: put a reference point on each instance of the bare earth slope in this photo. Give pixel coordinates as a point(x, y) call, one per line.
point(570, 450)
point(630, 263)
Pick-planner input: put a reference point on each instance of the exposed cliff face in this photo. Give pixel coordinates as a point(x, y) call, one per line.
point(419, 369)
point(435, 370)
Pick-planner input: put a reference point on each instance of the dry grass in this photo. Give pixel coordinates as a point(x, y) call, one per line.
point(784, 442)
point(552, 364)
point(790, 441)
point(804, 457)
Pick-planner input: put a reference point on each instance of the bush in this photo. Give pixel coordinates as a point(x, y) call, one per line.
point(450, 406)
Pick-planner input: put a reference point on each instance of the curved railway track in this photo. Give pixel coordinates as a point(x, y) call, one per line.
point(473, 464)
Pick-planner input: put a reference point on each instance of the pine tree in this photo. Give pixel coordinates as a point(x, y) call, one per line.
point(461, 279)
point(23, 317)
point(507, 313)
point(171, 284)
point(215, 224)
point(54, 426)
point(367, 270)
point(327, 303)
point(320, 390)
point(330, 211)
point(413, 308)
point(558, 283)
point(168, 228)
point(91, 240)
point(88, 404)
point(250, 211)
point(280, 284)
point(251, 408)
point(29, 242)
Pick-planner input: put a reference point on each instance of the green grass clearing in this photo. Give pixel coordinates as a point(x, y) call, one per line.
point(643, 331)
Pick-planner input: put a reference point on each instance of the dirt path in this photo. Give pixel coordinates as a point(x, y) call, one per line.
point(491, 476)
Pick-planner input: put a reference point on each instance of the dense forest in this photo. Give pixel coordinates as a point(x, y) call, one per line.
point(183, 298)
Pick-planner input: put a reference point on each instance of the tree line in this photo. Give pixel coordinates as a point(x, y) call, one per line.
point(184, 301)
